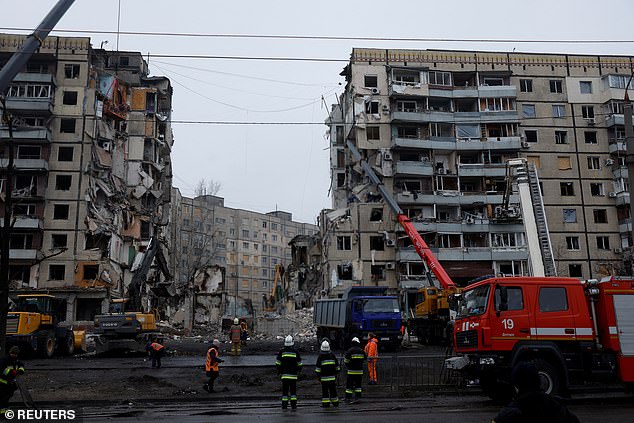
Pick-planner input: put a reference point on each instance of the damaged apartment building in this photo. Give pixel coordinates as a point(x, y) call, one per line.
point(439, 128)
point(225, 260)
point(92, 175)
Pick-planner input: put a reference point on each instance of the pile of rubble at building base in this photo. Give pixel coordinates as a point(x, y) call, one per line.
point(273, 326)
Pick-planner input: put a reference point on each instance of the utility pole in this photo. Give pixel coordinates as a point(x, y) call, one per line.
point(15, 64)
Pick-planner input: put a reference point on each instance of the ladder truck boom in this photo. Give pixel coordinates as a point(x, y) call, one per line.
point(420, 245)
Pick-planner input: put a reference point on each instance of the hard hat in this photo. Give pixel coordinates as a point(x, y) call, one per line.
point(14, 350)
point(236, 321)
point(216, 343)
point(288, 342)
point(325, 346)
point(355, 339)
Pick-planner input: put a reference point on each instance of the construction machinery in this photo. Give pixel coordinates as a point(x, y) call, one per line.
point(126, 326)
point(37, 324)
point(271, 303)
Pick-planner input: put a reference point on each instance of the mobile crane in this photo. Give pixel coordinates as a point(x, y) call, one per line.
point(432, 303)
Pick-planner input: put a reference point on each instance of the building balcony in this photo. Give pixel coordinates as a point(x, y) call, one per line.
point(424, 116)
point(453, 198)
point(617, 145)
point(500, 143)
point(460, 92)
point(620, 172)
point(502, 116)
point(28, 222)
point(38, 78)
point(625, 226)
point(466, 254)
point(414, 168)
point(497, 91)
point(32, 106)
point(435, 143)
point(622, 198)
point(39, 165)
point(486, 170)
point(27, 134)
point(19, 254)
point(416, 89)
point(614, 120)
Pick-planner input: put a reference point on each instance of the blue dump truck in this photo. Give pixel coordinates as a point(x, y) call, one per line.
point(359, 311)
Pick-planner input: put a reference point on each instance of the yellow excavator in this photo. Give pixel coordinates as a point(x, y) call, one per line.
point(276, 290)
point(36, 324)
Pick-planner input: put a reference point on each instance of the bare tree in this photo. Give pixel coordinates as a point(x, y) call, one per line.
point(204, 187)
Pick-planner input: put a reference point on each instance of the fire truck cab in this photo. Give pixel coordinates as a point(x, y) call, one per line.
point(572, 331)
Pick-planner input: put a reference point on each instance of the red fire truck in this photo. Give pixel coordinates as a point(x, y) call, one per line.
point(573, 331)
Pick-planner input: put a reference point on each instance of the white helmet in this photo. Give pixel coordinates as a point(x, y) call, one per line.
point(288, 341)
point(215, 343)
point(355, 339)
point(236, 321)
point(325, 346)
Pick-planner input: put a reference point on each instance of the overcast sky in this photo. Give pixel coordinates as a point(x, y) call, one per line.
point(285, 166)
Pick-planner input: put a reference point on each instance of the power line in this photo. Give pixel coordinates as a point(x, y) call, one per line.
point(330, 37)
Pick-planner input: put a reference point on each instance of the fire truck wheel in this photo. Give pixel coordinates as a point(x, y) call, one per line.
point(550, 379)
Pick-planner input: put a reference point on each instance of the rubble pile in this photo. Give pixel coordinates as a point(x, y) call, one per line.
point(273, 326)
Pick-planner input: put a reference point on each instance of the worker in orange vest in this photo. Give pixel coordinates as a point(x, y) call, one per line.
point(155, 350)
point(244, 332)
point(372, 352)
point(211, 365)
point(234, 335)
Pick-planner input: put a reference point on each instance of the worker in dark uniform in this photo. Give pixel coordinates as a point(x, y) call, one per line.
point(354, 359)
point(155, 350)
point(289, 366)
point(234, 335)
point(244, 332)
point(10, 368)
point(211, 365)
point(327, 368)
point(531, 404)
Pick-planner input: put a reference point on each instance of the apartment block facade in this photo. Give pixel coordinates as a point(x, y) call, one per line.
point(92, 171)
point(234, 252)
point(439, 128)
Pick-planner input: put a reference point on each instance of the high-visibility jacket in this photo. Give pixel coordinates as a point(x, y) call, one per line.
point(156, 346)
point(354, 360)
point(211, 363)
point(372, 349)
point(327, 367)
point(9, 369)
point(289, 363)
point(235, 333)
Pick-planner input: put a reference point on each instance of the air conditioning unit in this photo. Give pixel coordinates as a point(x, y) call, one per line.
point(106, 145)
point(612, 194)
point(390, 266)
point(609, 162)
point(375, 91)
point(390, 242)
point(386, 108)
point(526, 145)
point(424, 159)
point(387, 156)
point(591, 121)
point(470, 219)
point(618, 250)
point(442, 171)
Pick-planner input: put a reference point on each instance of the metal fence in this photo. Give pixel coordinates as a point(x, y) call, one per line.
point(414, 371)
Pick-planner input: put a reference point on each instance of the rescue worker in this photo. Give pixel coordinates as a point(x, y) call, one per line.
point(289, 366)
point(354, 359)
point(327, 368)
point(155, 350)
point(531, 404)
point(244, 333)
point(211, 365)
point(234, 336)
point(372, 353)
point(10, 368)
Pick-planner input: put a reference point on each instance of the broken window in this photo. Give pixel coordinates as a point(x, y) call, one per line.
point(339, 135)
point(24, 209)
point(407, 132)
point(556, 86)
point(63, 182)
point(344, 271)
point(60, 211)
point(67, 126)
point(572, 242)
point(526, 85)
point(372, 107)
point(406, 106)
point(124, 61)
point(590, 137)
point(603, 242)
point(377, 272)
point(145, 230)
point(587, 112)
point(370, 81)
point(341, 180)
point(376, 215)
point(65, 154)
point(344, 243)
point(372, 133)
point(439, 78)
point(57, 272)
point(596, 189)
point(59, 240)
point(561, 137)
point(566, 189)
point(21, 242)
point(377, 243)
point(600, 215)
point(91, 272)
point(530, 135)
point(71, 71)
point(594, 163)
point(574, 271)
point(70, 98)
point(341, 158)
point(28, 152)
